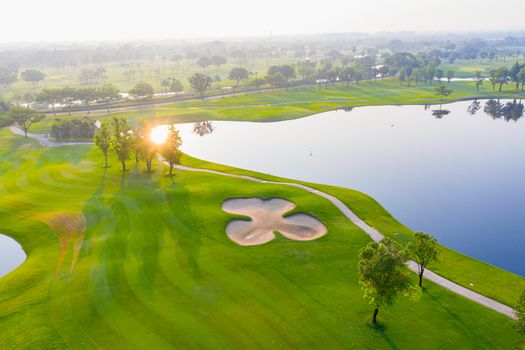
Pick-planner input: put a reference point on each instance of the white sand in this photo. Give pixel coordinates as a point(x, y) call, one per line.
point(267, 217)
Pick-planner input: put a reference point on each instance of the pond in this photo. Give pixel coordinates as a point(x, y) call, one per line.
point(457, 172)
point(11, 255)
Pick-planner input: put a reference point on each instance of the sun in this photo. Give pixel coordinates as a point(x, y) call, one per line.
point(159, 134)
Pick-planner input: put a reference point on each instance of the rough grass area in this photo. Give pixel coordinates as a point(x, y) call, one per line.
point(152, 267)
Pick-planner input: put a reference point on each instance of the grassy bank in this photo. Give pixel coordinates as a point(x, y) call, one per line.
point(481, 277)
point(296, 103)
point(143, 261)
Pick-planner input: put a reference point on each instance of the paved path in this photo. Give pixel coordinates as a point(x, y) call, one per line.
point(45, 139)
point(376, 236)
point(372, 232)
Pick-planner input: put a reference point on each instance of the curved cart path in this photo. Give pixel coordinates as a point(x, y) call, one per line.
point(372, 232)
point(376, 236)
point(45, 139)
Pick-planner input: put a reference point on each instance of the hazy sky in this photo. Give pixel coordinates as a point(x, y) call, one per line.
point(52, 20)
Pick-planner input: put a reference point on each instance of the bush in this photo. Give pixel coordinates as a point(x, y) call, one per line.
point(73, 129)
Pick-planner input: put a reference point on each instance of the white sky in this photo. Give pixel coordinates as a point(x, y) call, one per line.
point(76, 20)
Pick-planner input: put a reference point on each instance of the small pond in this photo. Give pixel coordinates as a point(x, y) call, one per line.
point(11, 255)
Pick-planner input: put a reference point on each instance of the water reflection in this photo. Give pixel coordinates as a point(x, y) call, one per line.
point(203, 128)
point(474, 107)
point(440, 113)
point(508, 111)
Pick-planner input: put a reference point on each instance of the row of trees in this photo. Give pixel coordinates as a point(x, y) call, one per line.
point(10, 75)
point(69, 96)
point(125, 141)
point(503, 75)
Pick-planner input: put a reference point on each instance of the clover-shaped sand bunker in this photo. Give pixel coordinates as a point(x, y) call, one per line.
point(267, 216)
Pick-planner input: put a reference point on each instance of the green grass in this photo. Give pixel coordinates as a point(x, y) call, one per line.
point(155, 268)
point(487, 279)
point(296, 103)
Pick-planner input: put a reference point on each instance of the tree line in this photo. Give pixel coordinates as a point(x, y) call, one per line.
point(126, 141)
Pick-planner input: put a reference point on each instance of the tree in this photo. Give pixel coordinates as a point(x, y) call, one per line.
point(423, 250)
point(439, 75)
point(33, 76)
point(122, 140)
point(142, 91)
point(165, 84)
point(519, 323)
point(24, 117)
point(204, 62)
point(218, 61)
point(103, 140)
point(49, 97)
point(442, 91)
point(450, 75)
point(170, 149)
point(200, 83)
point(238, 74)
point(493, 78)
point(402, 76)
point(176, 86)
point(514, 72)
point(7, 76)
point(144, 145)
point(521, 78)
point(478, 80)
point(502, 76)
point(382, 273)
point(108, 93)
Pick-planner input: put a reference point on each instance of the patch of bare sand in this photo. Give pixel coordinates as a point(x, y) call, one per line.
point(267, 217)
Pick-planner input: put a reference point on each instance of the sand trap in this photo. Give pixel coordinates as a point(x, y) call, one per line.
point(267, 216)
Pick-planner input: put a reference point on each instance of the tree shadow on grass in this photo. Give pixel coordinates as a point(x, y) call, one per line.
point(381, 328)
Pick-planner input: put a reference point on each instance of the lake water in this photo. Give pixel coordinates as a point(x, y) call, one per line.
point(11, 255)
point(459, 176)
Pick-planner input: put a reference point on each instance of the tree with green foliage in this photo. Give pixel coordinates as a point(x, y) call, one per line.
point(122, 140)
point(7, 76)
point(478, 80)
point(493, 78)
point(204, 62)
point(238, 74)
point(402, 75)
point(450, 75)
point(142, 91)
point(103, 140)
point(502, 77)
point(144, 146)
point(49, 97)
point(521, 78)
point(33, 76)
point(200, 82)
point(24, 117)
point(382, 273)
point(519, 322)
point(514, 72)
point(442, 91)
point(108, 93)
point(439, 75)
point(176, 86)
point(170, 149)
point(218, 61)
point(423, 250)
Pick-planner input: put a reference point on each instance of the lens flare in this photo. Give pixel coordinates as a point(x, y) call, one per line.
point(159, 134)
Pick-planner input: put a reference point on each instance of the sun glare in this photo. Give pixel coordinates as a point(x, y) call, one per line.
point(159, 134)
